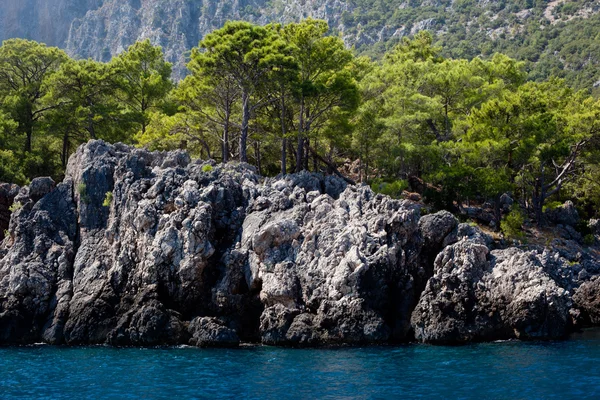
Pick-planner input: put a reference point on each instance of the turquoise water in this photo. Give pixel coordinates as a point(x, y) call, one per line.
point(507, 370)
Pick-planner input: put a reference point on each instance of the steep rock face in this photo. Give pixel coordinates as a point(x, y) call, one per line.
point(332, 270)
point(476, 295)
point(101, 29)
point(179, 25)
point(36, 271)
point(47, 21)
point(140, 248)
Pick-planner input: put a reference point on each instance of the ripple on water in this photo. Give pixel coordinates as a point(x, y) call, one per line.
point(548, 370)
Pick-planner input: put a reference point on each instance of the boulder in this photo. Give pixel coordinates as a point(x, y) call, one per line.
point(211, 332)
point(566, 214)
point(478, 295)
point(39, 187)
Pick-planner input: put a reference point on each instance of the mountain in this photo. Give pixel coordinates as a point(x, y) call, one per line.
point(556, 37)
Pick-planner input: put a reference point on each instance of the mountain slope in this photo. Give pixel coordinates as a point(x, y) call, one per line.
point(558, 37)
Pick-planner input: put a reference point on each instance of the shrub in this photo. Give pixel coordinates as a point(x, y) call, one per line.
point(82, 190)
point(512, 224)
point(589, 240)
point(553, 205)
point(392, 188)
point(16, 206)
point(108, 199)
point(207, 168)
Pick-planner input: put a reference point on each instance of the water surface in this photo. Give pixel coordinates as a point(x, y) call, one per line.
point(506, 370)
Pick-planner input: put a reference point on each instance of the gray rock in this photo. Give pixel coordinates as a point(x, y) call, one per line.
point(506, 202)
point(181, 254)
point(439, 230)
point(594, 225)
point(40, 187)
point(566, 214)
point(587, 301)
point(476, 295)
point(210, 332)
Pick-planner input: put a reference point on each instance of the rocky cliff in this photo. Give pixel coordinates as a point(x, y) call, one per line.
point(100, 29)
point(140, 248)
point(544, 30)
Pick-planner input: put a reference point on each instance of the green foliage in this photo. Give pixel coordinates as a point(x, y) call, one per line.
point(553, 205)
point(10, 168)
point(589, 239)
point(142, 77)
point(392, 189)
point(16, 206)
point(207, 168)
point(289, 97)
point(83, 194)
point(108, 198)
point(512, 224)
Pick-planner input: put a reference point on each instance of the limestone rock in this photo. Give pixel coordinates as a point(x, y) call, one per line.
point(141, 248)
point(210, 332)
point(477, 295)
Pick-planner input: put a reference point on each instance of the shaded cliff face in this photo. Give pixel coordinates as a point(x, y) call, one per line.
point(101, 29)
point(179, 25)
point(141, 248)
point(47, 21)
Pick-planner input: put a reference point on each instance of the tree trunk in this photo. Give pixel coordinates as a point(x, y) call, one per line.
point(258, 158)
point(65, 149)
point(283, 138)
point(28, 131)
point(315, 160)
point(291, 151)
point(225, 144)
point(335, 170)
point(540, 194)
point(300, 148)
point(283, 156)
point(497, 212)
point(306, 153)
point(90, 118)
point(245, 127)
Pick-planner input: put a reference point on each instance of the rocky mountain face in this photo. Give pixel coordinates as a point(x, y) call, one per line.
point(543, 32)
point(141, 248)
point(100, 29)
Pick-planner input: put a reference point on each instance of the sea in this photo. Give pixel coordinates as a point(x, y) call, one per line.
point(503, 370)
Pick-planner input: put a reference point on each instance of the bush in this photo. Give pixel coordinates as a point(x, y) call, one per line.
point(390, 188)
point(82, 190)
point(108, 199)
point(10, 169)
point(553, 205)
point(589, 240)
point(512, 224)
point(207, 168)
point(15, 207)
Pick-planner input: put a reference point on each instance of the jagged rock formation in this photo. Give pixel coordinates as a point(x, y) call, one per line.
point(140, 248)
point(476, 295)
